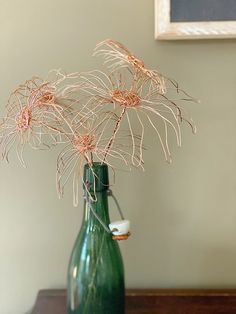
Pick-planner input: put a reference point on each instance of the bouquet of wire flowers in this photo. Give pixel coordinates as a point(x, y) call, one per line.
point(95, 116)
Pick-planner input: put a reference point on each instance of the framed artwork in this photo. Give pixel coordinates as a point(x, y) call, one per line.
point(195, 19)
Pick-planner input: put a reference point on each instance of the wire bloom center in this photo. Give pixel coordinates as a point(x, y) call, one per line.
point(84, 143)
point(135, 61)
point(126, 98)
point(23, 119)
point(46, 98)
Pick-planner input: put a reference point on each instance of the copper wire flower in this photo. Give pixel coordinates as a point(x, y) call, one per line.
point(117, 56)
point(34, 115)
point(87, 143)
point(132, 100)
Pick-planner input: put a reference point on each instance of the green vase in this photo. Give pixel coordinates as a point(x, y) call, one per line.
point(96, 273)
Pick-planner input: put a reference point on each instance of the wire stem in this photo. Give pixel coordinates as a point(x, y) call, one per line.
point(117, 126)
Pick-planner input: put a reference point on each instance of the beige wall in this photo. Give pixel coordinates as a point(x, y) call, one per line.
point(183, 216)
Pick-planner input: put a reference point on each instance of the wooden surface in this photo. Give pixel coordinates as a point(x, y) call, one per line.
point(152, 301)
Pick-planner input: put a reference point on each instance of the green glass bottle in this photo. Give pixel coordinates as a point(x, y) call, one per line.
point(96, 273)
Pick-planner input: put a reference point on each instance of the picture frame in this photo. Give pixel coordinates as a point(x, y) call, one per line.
point(169, 28)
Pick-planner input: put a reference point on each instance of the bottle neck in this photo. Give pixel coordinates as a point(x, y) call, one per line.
point(95, 184)
point(100, 207)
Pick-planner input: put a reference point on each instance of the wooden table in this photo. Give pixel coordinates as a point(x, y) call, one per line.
point(153, 301)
